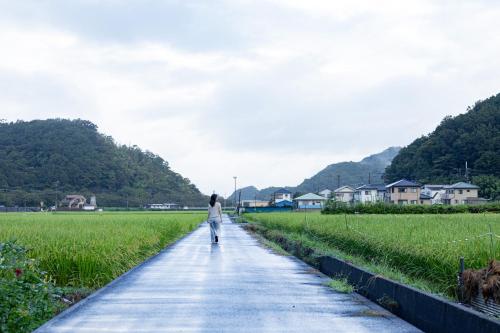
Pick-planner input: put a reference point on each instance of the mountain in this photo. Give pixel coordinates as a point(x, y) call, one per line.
point(43, 158)
point(370, 169)
point(440, 157)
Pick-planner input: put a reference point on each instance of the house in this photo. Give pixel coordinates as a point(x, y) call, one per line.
point(310, 201)
point(73, 201)
point(403, 192)
point(326, 193)
point(425, 199)
point(436, 192)
point(281, 195)
point(460, 193)
point(254, 203)
point(369, 193)
point(344, 194)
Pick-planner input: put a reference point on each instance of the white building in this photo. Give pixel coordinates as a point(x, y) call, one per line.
point(435, 192)
point(326, 193)
point(344, 194)
point(310, 201)
point(369, 193)
point(281, 195)
point(162, 206)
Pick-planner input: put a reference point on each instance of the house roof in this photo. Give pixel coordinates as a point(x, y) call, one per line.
point(378, 187)
point(283, 190)
point(403, 183)
point(463, 185)
point(424, 196)
point(284, 203)
point(434, 186)
point(310, 196)
point(344, 189)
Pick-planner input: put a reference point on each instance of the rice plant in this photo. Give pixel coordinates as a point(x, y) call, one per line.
point(426, 247)
point(91, 249)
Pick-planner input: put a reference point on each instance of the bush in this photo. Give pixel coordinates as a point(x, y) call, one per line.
point(335, 207)
point(27, 297)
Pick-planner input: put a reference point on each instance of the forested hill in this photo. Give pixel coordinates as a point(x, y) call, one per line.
point(368, 170)
point(440, 156)
point(42, 158)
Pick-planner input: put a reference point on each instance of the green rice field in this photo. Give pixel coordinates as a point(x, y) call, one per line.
point(425, 247)
point(91, 249)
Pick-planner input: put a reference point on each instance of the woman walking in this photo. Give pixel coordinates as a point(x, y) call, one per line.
point(214, 218)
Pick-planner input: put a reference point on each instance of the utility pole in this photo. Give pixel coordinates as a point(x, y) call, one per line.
point(338, 181)
point(369, 177)
point(234, 199)
point(466, 172)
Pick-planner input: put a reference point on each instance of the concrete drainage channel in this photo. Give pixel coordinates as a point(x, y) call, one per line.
point(423, 310)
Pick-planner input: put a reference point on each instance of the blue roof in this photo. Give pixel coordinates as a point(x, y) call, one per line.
point(283, 190)
point(424, 196)
point(283, 203)
point(403, 183)
point(463, 185)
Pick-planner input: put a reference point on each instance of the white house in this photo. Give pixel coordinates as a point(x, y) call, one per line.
point(310, 201)
point(344, 194)
point(369, 193)
point(281, 195)
point(435, 192)
point(326, 193)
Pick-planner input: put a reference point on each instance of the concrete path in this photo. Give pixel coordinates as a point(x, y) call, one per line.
point(237, 286)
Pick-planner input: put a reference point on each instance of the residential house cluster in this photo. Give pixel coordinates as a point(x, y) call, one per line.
point(402, 192)
point(405, 192)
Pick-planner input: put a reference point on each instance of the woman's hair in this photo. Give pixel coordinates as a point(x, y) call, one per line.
point(213, 198)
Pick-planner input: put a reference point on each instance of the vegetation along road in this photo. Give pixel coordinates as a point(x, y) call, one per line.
point(421, 250)
point(235, 286)
point(79, 251)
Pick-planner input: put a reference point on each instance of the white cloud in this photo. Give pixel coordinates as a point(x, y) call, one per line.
point(271, 91)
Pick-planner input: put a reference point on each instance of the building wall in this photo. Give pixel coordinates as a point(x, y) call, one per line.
point(411, 196)
point(344, 196)
point(310, 204)
point(282, 196)
point(454, 197)
point(372, 196)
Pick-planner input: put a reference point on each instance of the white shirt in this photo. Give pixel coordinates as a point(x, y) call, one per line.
point(215, 211)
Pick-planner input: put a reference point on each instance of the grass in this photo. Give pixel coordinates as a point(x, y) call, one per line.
point(341, 285)
point(88, 250)
point(421, 250)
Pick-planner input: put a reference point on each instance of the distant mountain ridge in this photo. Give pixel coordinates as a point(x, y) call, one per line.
point(369, 169)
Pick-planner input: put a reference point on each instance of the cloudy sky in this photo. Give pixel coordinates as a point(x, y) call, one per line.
point(271, 91)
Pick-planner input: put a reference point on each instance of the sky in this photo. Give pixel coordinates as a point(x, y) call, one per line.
point(270, 91)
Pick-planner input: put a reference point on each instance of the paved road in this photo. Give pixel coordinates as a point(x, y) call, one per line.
point(237, 286)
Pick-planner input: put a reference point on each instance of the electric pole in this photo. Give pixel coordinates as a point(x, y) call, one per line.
point(234, 198)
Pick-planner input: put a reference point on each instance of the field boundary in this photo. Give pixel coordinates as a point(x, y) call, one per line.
point(428, 312)
point(424, 310)
point(84, 301)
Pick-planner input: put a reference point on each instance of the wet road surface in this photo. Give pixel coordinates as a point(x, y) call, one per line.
point(236, 286)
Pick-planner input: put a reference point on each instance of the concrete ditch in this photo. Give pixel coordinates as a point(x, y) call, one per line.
point(426, 311)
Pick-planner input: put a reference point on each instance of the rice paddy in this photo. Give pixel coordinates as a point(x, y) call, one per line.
point(91, 249)
point(426, 247)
